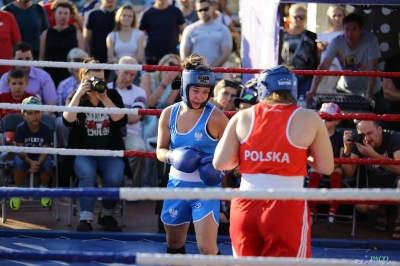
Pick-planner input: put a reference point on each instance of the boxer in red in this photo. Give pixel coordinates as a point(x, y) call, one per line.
point(272, 141)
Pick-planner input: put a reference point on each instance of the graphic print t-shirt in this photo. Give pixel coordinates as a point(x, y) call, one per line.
point(24, 135)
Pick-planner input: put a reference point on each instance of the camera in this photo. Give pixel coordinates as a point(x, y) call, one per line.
point(97, 85)
point(358, 138)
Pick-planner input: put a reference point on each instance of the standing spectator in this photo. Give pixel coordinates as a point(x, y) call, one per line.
point(32, 21)
point(189, 14)
point(64, 89)
point(88, 6)
point(32, 133)
point(357, 50)
point(56, 42)
point(74, 19)
point(299, 48)
point(224, 93)
point(125, 39)
point(99, 24)
point(39, 81)
point(9, 36)
point(96, 131)
point(133, 97)
point(207, 37)
point(17, 81)
point(162, 23)
point(335, 15)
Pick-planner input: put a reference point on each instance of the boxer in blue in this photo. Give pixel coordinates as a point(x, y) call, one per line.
point(188, 133)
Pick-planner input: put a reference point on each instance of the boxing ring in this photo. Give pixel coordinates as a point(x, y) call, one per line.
point(32, 247)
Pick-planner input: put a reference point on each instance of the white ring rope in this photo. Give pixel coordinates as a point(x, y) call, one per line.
point(70, 65)
point(278, 194)
point(71, 152)
point(165, 259)
point(54, 108)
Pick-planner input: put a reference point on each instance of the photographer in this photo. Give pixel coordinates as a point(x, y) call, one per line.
point(374, 142)
point(96, 131)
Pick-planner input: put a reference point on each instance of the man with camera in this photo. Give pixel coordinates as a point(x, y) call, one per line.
point(374, 142)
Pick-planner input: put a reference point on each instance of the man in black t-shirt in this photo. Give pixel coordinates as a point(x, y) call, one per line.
point(374, 142)
point(162, 23)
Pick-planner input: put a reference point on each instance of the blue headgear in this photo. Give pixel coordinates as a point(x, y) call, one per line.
point(276, 79)
point(198, 78)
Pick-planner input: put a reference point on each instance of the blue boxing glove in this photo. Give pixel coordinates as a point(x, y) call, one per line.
point(185, 159)
point(208, 174)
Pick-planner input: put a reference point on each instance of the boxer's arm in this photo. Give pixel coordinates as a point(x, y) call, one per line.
point(164, 136)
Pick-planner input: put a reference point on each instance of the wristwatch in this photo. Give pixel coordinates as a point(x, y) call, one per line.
point(345, 156)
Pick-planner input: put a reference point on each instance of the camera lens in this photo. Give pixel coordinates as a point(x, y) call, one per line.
point(98, 86)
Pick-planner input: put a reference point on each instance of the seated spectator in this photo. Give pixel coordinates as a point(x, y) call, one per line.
point(96, 131)
point(39, 81)
point(158, 91)
point(56, 42)
point(133, 97)
point(65, 88)
point(10, 35)
point(375, 142)
point(32, 133)
point(224, 93)
point(125, 39)
point(248, 95)
point(335, 178)
point(17, 81)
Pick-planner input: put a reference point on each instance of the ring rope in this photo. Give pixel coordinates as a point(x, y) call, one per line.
point(157, 112)
point(348, 194)
point(133, 153)
point(167, 259)
point(179, 69)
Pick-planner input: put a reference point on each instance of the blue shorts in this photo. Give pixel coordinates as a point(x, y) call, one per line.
point(178, 211)
point(20, 164)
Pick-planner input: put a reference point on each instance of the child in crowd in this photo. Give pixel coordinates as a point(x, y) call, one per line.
point(32, 133)
point(17, 82)
point(335, 178)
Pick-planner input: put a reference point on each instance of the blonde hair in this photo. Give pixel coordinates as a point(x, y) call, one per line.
point(281, 96)
point(118, 15)
point(329, 11)
point(163, 60)
point(296, 7)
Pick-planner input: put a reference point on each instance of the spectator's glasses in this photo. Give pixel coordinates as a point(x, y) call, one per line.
point(205, 9)
point(301, 17)
point(172, 64)
point(78, 60)
point(329, 120)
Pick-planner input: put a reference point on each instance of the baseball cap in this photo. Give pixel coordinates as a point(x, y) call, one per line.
point(247, 96)
point(31, 100)
point(330, 108)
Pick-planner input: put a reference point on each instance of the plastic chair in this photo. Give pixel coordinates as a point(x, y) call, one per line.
point(9, 124)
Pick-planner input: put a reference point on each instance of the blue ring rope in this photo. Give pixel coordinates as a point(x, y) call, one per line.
point(69, 256)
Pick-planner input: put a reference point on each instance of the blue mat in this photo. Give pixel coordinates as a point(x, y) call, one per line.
point(13, 240)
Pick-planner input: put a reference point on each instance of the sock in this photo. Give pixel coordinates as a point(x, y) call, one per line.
point(181, 250)
point(43, 186)
point(335, 182)
point(313, 182)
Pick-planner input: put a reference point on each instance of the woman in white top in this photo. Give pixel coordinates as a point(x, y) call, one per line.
point(125, 39)
point(335, 15)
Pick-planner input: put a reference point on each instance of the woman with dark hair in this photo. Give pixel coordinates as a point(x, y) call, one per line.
point(125, 39)
point(98, 131)
point(272, 140)
point(188, 133)
point(56, 42)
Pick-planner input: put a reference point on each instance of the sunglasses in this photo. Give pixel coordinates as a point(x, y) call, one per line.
point(205, 9)
point(172, 64)
point(301, 17)
point(329, 120)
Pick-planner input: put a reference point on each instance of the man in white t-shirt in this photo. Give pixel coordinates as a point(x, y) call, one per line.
point(357, 50)
point(207, 37)
point(133, 97)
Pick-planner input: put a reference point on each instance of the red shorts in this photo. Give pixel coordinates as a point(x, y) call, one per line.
point(270, 228)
